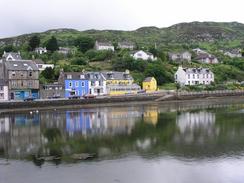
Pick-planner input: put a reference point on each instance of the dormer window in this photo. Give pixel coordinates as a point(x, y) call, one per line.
point(82, 76)
point(69, 76)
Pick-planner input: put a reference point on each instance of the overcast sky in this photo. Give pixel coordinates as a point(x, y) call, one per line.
point(27, 16)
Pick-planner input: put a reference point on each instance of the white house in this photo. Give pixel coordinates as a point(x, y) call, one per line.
point(199, 51)
point(207, 59)
point(96, 83)
point(3, 90)
point(104, 46)
point(64, 50)
point(194, 76)
point(8, 56)
point(142, 55)
point(41, 50)
point(181, 56)
point(234, 53)
point(126, 45)
point(42, 66)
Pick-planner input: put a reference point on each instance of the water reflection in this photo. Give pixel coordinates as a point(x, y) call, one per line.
point(148, 130)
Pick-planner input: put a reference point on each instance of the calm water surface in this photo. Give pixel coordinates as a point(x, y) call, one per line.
point(175, 142)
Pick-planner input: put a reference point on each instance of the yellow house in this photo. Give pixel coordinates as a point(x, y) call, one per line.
point(149, 84)
point(120, 83)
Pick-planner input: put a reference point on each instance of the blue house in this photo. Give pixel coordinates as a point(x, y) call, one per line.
point(75, 84)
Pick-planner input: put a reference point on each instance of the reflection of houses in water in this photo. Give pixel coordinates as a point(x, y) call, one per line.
point(4, 133)
point(101, 121)
point(53, 119)
point(189, 121)
point(150, 115)
point(22, 136)
point(201, 122)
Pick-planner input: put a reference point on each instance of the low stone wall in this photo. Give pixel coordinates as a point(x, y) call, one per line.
point(158, 96)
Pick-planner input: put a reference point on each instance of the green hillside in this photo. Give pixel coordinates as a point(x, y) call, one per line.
point(211, 36)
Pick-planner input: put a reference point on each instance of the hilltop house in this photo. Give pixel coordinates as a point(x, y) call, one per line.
point(126, 45)
point(149, 84)
point(42, 66)
point(199, 51)
point(234, 53)
point(142, 55)
point(104, 46)
point(206, 59)
point(180, 56)
point(74, 83)
point(64, 50)
point(22, 77)
point(41, 50)
point(194, 76)
point(11, 56)
point(119, 83)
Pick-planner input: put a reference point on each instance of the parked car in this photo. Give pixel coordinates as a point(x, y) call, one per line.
point(29, 99)
point(88, 96)
point(54, 96)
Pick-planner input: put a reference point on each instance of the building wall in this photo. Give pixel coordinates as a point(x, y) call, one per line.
point(183, 78)
point(150, 86)
point(51, 91)
point(76, 87)
point(142, 55)
point(97, 87)
point(3, 93)
point(42, 67)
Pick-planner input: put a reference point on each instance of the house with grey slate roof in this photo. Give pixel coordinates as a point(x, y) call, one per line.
point(126, 45)
point(11, 56)
point(22, 77)
point(180, 56)
point(194, 76)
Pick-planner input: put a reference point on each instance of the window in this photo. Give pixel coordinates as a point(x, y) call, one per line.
point(76, 84)
point(188, 76)
point(207, 75)
point(30, 74)
point(13, 73)
point(198, 76)
point(203, 75)
point(176, 76)
point(100, 83)
point(193, 76)
point(82, 77)
point(82, 83)
point(1, 88)
point(69, 76)
point(70, 84)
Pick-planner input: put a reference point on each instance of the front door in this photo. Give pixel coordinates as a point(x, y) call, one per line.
point(11, 96)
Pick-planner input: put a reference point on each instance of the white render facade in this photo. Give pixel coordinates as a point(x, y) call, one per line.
point(42, 67)
point(104, 46)
point(143, 55)
point(3, 92)
point(194, 76)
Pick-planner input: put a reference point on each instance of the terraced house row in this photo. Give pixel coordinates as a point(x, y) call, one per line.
point(97, 83)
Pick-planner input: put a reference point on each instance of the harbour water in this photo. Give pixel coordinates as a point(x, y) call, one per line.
point(137, 142)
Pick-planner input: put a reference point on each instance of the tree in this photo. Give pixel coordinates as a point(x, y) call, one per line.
point(52, 44)
point(84, 43)
point(34, 42)
point(48, 74)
